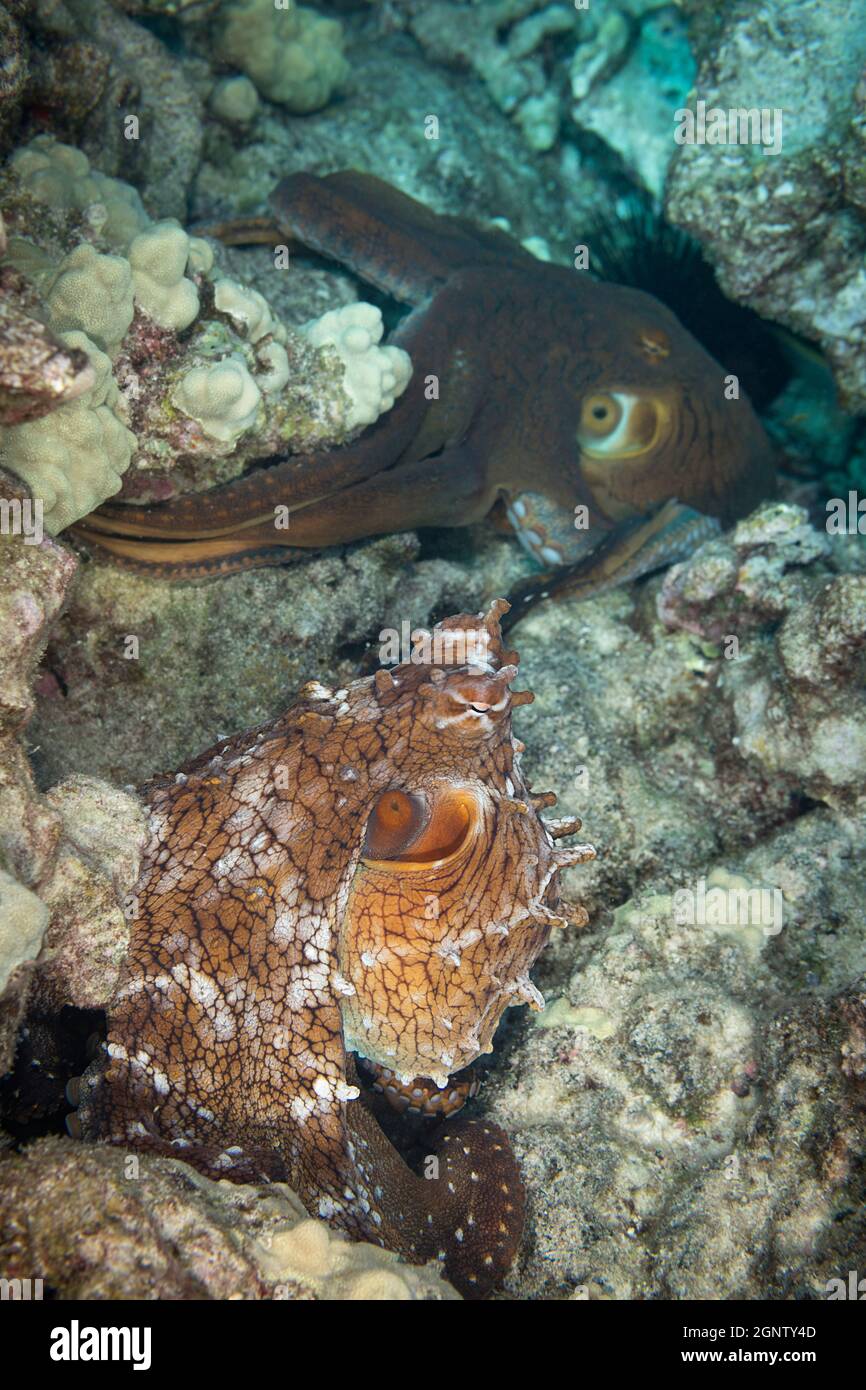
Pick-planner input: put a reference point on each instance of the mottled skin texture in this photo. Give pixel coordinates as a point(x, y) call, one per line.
point(367, 873)
point(552, 390)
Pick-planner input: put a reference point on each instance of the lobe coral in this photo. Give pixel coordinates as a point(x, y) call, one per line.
point(368, 874)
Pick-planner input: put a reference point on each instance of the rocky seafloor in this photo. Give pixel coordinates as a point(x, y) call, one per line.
point(689, 1110)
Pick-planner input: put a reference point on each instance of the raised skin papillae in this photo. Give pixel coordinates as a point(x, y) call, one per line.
point(367, 874)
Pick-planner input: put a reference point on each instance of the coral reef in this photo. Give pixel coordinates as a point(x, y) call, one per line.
point(797, 694)
point(76, 457)
point(192, 374)
point(13, 83)
point(61, 178)
point(66, 859)
point(687, 1110)
point(625, 82)
point(499, 43)
point(473, 164)
point(656, 1097)
point(37, 371)
point(158, 258)
point(749, 578)
point(373, 376)
point(563, 74)
point(47, 66)
point(33, 581)
point(235, 100)
point(666, 1113)
point(690, 1119)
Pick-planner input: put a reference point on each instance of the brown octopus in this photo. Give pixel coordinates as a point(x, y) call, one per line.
point(534, 386)
point(368, 874)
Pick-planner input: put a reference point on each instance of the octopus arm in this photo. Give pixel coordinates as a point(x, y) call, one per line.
point(389, 239)
point(467, 1210)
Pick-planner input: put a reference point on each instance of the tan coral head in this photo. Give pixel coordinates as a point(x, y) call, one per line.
point(455, 892)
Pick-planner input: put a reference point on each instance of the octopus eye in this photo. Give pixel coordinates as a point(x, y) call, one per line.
point(394, 823)
point(600, 415)
point(402, 831)
point(618, 426)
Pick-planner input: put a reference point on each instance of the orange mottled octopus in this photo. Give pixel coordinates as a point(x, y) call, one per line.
point(368, 874)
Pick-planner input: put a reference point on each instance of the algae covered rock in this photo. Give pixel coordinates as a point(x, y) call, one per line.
point(34, 577)
point(38, 372)
point(779, 211)
point(153, 1228)
point(689, 1116)
point(794, 637)
point(67, 860)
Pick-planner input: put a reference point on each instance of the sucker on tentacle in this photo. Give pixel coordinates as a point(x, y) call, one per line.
point(421, 1096)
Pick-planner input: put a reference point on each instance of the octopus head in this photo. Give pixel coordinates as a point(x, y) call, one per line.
point(655, 417)
point(451, 898)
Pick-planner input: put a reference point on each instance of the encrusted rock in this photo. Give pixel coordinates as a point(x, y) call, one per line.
point(152, 1228)
point(37, 371)
point(783, 226)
